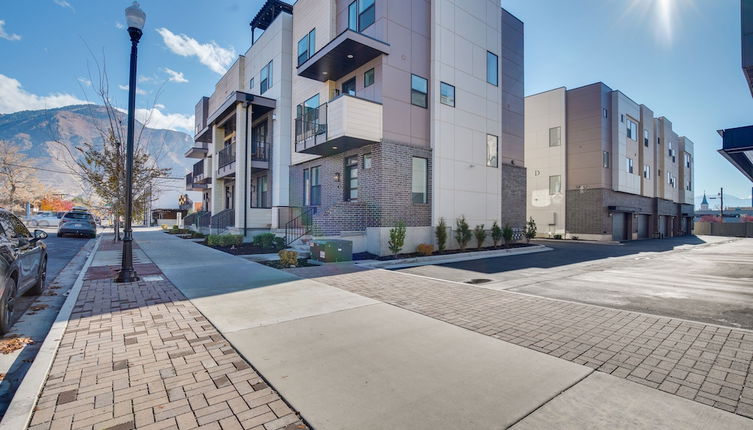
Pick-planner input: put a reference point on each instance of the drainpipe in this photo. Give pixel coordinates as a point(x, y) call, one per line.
point(247, 175)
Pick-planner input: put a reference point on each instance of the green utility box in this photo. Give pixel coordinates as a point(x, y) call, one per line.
point(332, 250)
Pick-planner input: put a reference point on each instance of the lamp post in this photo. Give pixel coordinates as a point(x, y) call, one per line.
point(135, 18)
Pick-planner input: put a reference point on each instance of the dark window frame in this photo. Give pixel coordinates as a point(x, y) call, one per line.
point(423, 196)
point(419, 92)
point(266, 84)
point(366, 81)
point(351, 166)
point(442, 86)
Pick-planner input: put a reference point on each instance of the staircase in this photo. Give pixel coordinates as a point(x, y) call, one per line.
point(222, 220)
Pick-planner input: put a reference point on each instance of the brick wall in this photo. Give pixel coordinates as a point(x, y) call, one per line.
point(513, 195)
point(587, 211)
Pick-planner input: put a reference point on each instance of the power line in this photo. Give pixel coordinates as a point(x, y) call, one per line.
point(74, 174)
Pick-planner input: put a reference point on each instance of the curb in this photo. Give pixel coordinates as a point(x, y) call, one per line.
point(452, 258)
point(24, 401)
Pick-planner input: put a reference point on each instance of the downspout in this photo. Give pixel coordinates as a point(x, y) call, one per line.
point(247, 178)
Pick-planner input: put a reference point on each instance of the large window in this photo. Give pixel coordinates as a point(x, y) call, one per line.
point(632, 130)
point(419, 91)
point(555, 185)
point(447, 94)
point(647, 171)
point(351, 178)
point(492, 150)
point(306, 47)
point(645, 137)
point(492, 68)
point(368, 78)
point(420, 180)
point(555, 136)
point(361, 14)
point(262, 183)
point(265, 80)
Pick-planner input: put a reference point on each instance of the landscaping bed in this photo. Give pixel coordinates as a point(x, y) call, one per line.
point(445, 252)
point(242, 249)
point(302, 262)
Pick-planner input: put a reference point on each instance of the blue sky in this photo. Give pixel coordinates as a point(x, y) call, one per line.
point(679, 57)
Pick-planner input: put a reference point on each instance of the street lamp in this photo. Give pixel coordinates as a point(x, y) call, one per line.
point(135, 18)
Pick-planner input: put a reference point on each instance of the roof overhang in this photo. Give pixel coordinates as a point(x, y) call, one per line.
point(269, 12)
point(343, 54)
point(260, 105)
point(737, 148)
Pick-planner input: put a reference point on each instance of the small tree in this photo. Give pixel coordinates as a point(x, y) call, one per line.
point(397, 238)
point(441, 233)
point(496, 233)
point(507, 235)
point(480, 234)
point(530, 229)
point(462, 232)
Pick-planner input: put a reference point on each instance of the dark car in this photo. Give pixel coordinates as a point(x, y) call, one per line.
point(78, 223)
point(23, 264)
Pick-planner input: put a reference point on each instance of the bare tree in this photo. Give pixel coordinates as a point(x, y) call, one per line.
point(18, 184)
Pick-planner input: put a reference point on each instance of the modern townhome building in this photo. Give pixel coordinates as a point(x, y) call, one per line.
point(602, 167)
point(357, 115)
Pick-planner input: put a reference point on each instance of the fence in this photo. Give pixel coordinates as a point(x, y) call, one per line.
point(732, 229)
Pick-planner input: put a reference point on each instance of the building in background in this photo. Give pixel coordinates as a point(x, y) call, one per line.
point(376, 113)
point(602, 167)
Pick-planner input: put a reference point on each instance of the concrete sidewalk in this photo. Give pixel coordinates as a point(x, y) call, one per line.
point(347, 361)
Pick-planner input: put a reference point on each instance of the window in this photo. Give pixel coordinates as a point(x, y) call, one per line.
point(605, 159)
point(629, 165)
point(605, 112)
point(555, 185)
point(647, 171)
point(689, 186)
point(420, 180)
point(306, 188)
point(492, 68)
point(645, 138)
point(308, 110)
point(367, 161)
point(492, 150)
point(447, 94)
point(251, 84)
point(353, 16)
point(368, 78)
point(349, 86)
point(632, 130)
point(306, 47)
point(265, 79)
point(658, 140)
point(316, 187)
point(351, 178)
point(419, 90)
point(687, 160)
point(361, 14)
point(622, 118)
point(261, 191)
point(555, 136)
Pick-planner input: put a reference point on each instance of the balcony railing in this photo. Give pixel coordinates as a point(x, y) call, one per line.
point(311, 124)
point(198, 169)
point(260, 151)
point(226, 155)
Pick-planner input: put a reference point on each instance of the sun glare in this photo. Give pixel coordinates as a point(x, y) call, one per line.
point(663, 15)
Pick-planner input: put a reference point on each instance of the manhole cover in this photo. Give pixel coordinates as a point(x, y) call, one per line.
point(478, 281)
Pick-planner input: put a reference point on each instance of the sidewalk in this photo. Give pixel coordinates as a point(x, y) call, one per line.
point(141, 356)
point(400, 355)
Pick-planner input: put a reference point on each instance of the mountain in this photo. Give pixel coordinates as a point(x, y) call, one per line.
point(39, 131)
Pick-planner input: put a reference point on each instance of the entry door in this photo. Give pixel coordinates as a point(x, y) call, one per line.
point(618, 226)
point(349, 86)
point(642, 226)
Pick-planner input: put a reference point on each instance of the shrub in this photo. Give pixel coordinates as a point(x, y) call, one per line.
point(507, 235)
point(441, 234)
point(558, 236)
point(462, 232)
point(279, 242)
point(496, 233)
point(175, 227)
point(425, 249)
point(480, 234)
point(165, 227)
point(224, 239)
point(288, 258)
point(530, 229)
point(397, 238)
point(264, 240)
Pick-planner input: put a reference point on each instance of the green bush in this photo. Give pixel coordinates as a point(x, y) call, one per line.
point(279, 242)
point(480, 234)
point(462, 232)
point(441, 234)
point(496, 233)
point(397, 238)
point(265, 240)
point(288, 258)
point(530, 229)
point(558, 236)
point(224, 239)
point(507, 234)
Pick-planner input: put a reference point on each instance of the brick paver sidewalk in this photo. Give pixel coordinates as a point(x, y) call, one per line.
point(705, 363)
point(140, 355)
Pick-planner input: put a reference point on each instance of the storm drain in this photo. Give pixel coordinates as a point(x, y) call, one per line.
point(478, 281)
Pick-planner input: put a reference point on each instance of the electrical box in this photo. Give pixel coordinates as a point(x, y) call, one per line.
point(332, 250)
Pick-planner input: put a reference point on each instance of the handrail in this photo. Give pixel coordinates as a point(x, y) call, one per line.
point(198, 168)
point(226, 155)
point(300, 225)
point(223, 219)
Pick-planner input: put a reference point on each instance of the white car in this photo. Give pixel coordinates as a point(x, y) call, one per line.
point(43, 219)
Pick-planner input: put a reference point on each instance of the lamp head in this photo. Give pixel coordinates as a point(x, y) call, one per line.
point(135, 17)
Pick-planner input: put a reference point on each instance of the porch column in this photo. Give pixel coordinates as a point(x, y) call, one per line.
point(217, 192)
point(242, 153)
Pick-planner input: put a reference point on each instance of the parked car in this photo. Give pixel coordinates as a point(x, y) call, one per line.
point(43, 219)
point(23, 264)
point(78, 223)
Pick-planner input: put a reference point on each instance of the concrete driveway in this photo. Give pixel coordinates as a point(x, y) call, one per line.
point(705, 278)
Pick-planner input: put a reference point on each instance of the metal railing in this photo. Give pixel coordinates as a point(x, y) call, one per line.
point(260, 151)
point(203, 218)
point(222, 220)
point(198, 168)
point(190, 219)
point(226, 155)
point(300, 225)
point(312, 123)
point(189, 180)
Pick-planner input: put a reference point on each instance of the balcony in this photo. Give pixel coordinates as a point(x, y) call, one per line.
point(342, 55)
point(226, 159)
point(200, 170)
point(260, 153)
point(191, 184)
point(343, 124)
point(199, 151)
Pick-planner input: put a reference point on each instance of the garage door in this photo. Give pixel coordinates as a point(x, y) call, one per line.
point(618, 226)
point(642, 226)
point(662, 226)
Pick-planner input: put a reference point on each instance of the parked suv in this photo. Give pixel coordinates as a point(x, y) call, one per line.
point(43, 219)
point(78, 223)
point(23, 264)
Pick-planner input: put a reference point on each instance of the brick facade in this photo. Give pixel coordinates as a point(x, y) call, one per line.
point(513, 195)
point(384, 189)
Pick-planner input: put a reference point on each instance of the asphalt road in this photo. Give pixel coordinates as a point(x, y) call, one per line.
point(708, 279)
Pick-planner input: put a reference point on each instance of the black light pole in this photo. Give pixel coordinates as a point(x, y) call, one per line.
point(135, 18)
